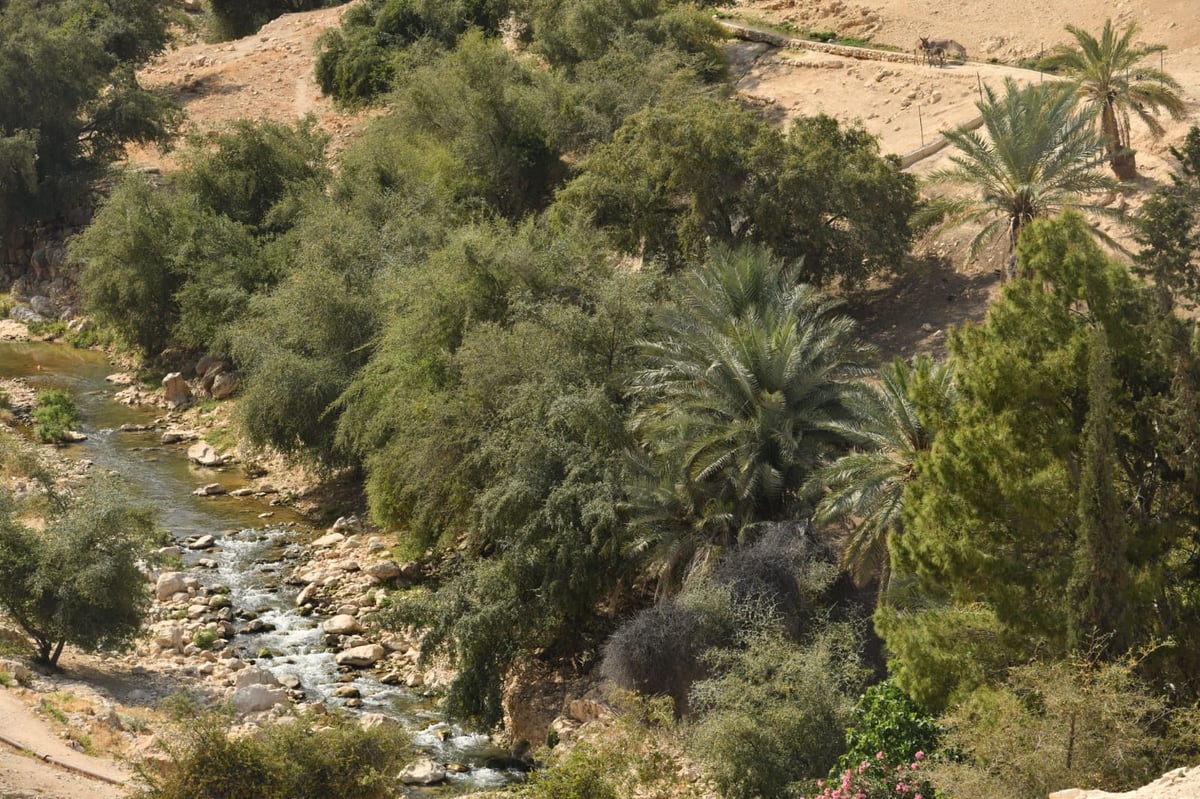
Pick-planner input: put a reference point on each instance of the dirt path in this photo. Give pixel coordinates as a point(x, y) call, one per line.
point(22, 775)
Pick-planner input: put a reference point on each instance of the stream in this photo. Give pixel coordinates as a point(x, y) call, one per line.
point(252, 561)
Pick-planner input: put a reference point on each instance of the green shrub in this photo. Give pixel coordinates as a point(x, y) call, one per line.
point(340, 760)
point(1057, 724)
point(55, 416)
point(887, 720)
point(204, 638)
point(774, 716)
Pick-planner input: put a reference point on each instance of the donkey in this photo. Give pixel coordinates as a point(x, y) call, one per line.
point(945, 45)
point(928, 52)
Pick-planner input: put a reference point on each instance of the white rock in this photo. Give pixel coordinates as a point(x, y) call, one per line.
point(329, 540)
point(342, 624)
point(169, 584)
point(422, 772)
point(360, 656)
point(203, 453)
point(254, 676)
point(253, 698)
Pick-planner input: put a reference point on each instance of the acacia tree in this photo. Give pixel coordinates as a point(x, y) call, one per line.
point(77, 581)
point(1038, 156)
point(740, 388)
point(1110, 77)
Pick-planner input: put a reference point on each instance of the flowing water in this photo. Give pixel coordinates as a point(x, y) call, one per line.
point(255, 555)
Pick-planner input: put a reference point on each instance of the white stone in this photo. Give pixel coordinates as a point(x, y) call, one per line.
point(360, 656)
point(169, 584)
point(342, 624)
point(422, 772)
point(254, 698)
point(329, 540)
point(254, 676)
point(204, 454)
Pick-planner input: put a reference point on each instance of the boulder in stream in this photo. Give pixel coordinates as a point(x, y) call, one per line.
point(342, 624)
point(204, 454)
point(359, 656)
point(423, 772)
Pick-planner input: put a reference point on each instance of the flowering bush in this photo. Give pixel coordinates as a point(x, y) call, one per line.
point(878, 778)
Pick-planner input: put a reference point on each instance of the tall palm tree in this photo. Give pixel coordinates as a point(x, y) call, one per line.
point(1038, 156)
point(1110, 77)
point(738, 400)
point(893, 421)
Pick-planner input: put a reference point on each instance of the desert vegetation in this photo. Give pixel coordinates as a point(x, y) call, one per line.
point(576, 318)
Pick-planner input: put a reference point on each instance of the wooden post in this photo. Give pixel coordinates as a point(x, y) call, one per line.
point(979, 84)
point(921, 124)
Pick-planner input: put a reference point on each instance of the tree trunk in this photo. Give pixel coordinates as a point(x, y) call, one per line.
point(1121, 156)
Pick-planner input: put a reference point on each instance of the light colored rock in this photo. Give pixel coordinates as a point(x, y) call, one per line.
point(210, 490)
point(177, 436)
point(341, 624)
point(307, 595)
point(359, 656)
point(254, 676)
point(204, 454)
point(224, 385)
point(255, 698)
point(387, 570)
point(422, 772)
point(329, 540)
point(203, 542)
point(169, 584)
point(175, 390)
point(168, 635)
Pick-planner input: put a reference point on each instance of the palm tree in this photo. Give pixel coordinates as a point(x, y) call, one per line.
point(738, 400)
point(1039, 155)
point(893, 422)
point(1109, 77)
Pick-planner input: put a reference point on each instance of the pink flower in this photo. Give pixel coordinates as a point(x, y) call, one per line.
point(919, 755)
point(914, 766)
point(820, 783)
point(917, 796)
point(862, 767)
point(879, 755)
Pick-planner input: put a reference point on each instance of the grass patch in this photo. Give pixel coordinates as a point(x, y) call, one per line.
point(13, 642)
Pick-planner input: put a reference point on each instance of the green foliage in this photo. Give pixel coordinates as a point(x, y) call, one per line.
point(1166, 229)
point(569, 33)
point(489, 409)
point(689, 173)
point(77, 581)
point(69, 97)
point(159, 268)
point(1052, 724)
point(378, 39)
point(233, 19)
point(776, 585)
point(891, 423)
point(743, 377)
point(1112, 78)
point(255, 173)
point(887, 720)
point(1039, 156)
point(339, 760)
point(773, 715)
point(1003, 507)
point(638, 754)
point(55, 416)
